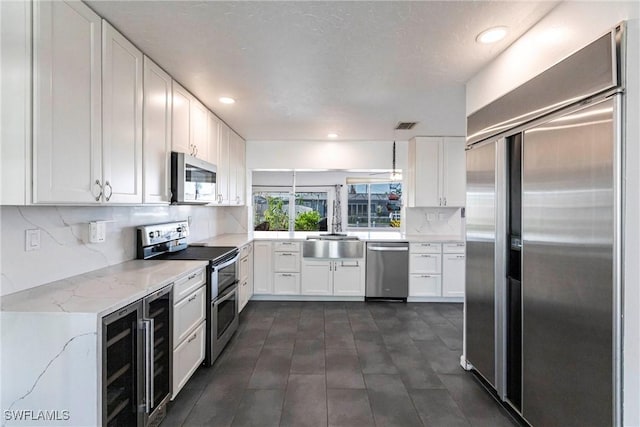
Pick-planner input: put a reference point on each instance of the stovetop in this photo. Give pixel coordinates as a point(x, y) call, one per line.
point(198, 253)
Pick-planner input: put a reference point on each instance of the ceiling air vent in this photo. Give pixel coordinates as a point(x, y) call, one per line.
point(405, 125)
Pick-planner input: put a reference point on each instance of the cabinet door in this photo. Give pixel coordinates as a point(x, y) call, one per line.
point(187, 357)
point(67, 103)
point(241, 171)
point(454, 180)
point(425, 285)
point(453, 275)
point(316, 278)
point(262, 268)
point(156, 134)
point(428, 172)
point(188, 313)
point(243, 295)
point(121, 118)
point(347, 278)
point(286, 262)
point(424, 263)
point(198, 130)
point(250, 281)
point(181, 119)
point(15, 87)
point(286, 283)
point(222, 178)
point(213, 130)
point(425, 248)
point(243, 269)
point(233, 168)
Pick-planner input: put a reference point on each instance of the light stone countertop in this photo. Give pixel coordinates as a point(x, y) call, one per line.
point(367, 236)
point(101, 291)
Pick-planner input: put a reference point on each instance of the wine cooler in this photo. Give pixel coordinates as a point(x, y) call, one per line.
point(136, 361)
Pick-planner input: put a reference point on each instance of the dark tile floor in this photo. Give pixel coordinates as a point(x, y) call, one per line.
point(340, 364)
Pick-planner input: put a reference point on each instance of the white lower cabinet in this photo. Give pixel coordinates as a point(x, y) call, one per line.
point(262, 268)
point(337, 278)
point(317, 278)
point(425, 263)
point(189, 320)
point(425, 285)
point(187, 356)
point(188, 314)
point(245, 276)
point(286, 283)
point(453, 273)
point(286, 262)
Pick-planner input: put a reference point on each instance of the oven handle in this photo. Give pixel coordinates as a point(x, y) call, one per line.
point(227, 263)
point(231, 290)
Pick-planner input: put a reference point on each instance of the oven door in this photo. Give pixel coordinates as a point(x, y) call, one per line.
point(224, 310)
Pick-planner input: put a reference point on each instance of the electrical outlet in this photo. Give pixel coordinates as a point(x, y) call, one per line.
point(97, 232)
point(32, 240)
point(431, 216)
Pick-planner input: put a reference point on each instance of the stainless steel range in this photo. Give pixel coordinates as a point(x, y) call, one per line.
point(168, 241)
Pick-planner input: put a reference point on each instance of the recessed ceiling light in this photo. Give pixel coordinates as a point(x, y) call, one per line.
point(492, 35)
point(227, 100)
point(332, 135)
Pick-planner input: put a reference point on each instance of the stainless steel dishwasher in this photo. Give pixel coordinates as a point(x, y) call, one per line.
point(387, 271)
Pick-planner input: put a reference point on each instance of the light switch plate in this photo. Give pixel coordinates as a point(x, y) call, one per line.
point(32, 239)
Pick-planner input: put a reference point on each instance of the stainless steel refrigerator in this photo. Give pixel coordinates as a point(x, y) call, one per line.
point(543, 247)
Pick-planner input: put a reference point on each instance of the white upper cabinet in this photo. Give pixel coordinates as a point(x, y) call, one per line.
point(181, 119)
point(213, 129)
point(121, 118)
point(156, 133)
point(15, 87)
point(198, 126)
point(437, 174)
point(67, 103)
point(222, 178)
point(190, 122)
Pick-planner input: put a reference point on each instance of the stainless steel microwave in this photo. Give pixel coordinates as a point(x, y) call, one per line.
point(193, 181)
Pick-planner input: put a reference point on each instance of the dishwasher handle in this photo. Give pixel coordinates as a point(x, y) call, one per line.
point(388, 248)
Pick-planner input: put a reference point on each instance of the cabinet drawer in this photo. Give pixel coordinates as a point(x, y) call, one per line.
point(245, 250)
point(287, 246)
point(187, 357)
point(286, 262)
point(453, 248)
point(187, 314)
point(425, 248)
point(243, 269)
point(286, 283)
point(425, 285)
point(186, 285)
point(425, 263)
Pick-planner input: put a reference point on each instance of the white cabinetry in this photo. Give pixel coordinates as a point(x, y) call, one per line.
point(122, 95)
point(436, 269)
point(453, 275)
point(213, 134)
point(156, 134)
point(67, 103)
point(189, 315)
point(245, 275)
point(190, 122)
point(286, 267)
point(337, 278)
point(437, 177)
point(15, 87)
point(231, 167)
point(262, 268)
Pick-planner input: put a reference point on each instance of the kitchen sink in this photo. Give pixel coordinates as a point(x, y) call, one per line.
point(331, 246)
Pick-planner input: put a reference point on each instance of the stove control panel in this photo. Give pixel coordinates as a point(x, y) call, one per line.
point(149, 235)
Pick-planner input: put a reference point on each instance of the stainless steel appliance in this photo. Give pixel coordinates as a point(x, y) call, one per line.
point(136, 361)
point(387, 274)
point(193, 181)
point(168, 241)
point(543, 242)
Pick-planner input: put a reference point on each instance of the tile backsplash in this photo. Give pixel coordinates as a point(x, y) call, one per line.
point(64, 235)
point(441, 222)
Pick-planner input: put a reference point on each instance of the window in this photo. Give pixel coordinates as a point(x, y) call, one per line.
point(374, 205)
point(272, 210)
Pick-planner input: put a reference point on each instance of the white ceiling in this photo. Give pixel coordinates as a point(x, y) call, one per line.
point(299, 70)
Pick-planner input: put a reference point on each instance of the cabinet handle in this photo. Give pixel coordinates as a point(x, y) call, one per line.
point(193, 337)
point(286, 254)
point(192, 276)
point(110, 191)
point(100, 187)
point(286, 243)
point(426, 256)
point(425, 275)
point(196, 148)
point(460, 257)
point(445, 201)
point(193, 297)
point(440, 202)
